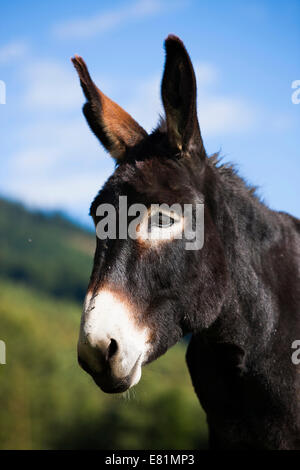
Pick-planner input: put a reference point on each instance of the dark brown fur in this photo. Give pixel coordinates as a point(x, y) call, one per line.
point(238, 296)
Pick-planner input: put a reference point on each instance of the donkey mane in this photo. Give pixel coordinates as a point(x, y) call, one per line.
point(229, 172)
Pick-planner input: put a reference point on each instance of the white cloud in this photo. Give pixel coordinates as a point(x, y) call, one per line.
point(145, 106)
point(71, 193)
point(53, 86)
point(61, 165)
point(217, 114)
point(67, 139)
point(106, 21)
point(206, 75)
point(12, 51)
point(220, 114)
point(224, 115)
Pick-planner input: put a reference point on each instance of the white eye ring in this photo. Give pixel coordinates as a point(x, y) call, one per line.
point(160, 225)
point(161, 220)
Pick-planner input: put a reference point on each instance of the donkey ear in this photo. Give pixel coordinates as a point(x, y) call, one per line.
point(179, 99)
point(114, 127)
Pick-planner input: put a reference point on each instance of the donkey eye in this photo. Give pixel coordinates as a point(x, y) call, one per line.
point(161, 220)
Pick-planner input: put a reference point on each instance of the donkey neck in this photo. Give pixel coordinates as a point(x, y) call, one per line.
point(247, 229)
point(237, 366)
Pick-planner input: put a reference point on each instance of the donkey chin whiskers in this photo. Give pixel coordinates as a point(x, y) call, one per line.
point(129, 395)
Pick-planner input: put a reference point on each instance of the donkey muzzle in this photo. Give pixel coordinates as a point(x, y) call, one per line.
point(106, 379)
point(111, 347)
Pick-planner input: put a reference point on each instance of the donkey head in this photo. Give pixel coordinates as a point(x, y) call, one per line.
point(147, 291)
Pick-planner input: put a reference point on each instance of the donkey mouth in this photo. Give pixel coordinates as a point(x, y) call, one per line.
point(112, 386)
point(108, 383)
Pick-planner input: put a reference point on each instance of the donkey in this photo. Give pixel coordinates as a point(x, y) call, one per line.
point(238, 297)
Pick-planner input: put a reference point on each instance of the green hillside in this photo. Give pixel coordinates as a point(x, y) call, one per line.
point(44, 251)
point(47, 401)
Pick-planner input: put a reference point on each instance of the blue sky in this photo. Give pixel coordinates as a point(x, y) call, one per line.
point(246, 56)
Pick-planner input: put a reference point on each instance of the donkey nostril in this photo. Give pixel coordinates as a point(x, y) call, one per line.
point(112, 349)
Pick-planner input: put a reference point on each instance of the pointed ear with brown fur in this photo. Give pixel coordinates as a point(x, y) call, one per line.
point(179, 99)
point(114, 127)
